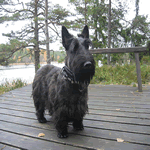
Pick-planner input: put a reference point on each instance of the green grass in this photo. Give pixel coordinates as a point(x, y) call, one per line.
point(120, 74)
point(8, 86)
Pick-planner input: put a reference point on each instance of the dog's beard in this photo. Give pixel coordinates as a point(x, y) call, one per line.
point(83, 75)
point(84, 78)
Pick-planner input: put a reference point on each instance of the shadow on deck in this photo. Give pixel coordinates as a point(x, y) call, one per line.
point(118, 119)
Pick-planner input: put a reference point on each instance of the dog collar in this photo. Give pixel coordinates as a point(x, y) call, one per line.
point(68, 74)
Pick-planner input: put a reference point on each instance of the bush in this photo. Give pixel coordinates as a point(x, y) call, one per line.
point(8, 86)
point(118, 74)
point(145, 60)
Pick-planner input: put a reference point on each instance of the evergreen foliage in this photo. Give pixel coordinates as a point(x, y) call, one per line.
point(124, 33)
point(32, 34)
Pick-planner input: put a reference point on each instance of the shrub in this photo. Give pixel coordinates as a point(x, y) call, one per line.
point(125, 74)
point(8, 86)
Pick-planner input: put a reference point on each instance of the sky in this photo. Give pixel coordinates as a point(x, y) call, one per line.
point(7, 27)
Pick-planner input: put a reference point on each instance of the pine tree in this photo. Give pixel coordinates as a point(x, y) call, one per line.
point(34, 13)
point(109, 31)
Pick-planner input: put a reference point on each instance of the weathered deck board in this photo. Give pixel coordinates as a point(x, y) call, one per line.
point(98, 132)
point(95, 123)
point(6, 102)
point(115, 111)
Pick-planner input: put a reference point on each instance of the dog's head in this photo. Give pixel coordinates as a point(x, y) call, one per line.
point(79, 59)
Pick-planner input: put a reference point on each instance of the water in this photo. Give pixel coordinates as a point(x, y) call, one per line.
point(23, 72)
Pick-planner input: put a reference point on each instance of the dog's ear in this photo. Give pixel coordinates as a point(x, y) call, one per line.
point(66, 38)
point(85, 32)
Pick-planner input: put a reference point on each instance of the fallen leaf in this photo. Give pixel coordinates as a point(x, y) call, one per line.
point(41, 135)
point(3, 147)
point(118, 109)
point(110, 133)
point(120, 140)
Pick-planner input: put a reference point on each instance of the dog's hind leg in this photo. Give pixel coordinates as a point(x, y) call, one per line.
point(40, 108)
point(39, 96)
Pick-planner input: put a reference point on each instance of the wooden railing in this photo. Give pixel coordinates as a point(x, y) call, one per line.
point(136, 50)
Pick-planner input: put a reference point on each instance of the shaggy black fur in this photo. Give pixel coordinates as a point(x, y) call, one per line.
point(66, 99)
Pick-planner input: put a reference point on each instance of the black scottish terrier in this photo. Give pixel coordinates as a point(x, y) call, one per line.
point(64, 92)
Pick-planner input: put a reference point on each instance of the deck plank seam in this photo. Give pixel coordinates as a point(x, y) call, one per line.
point(21, 148)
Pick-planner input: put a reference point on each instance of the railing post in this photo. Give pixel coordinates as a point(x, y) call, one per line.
point(138, 70)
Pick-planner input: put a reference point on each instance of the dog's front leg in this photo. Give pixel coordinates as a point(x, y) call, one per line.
point(78, 124)
point(61, 127)
point(78, 121)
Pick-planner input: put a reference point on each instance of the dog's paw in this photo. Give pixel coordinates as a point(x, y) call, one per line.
point(42, 120)
point(62, 135)
point(79, 128)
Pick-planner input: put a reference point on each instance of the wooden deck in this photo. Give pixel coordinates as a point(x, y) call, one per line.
point(115, 113)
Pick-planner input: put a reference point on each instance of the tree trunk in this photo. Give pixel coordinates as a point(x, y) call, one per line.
point(109, 31)
point(95, 21)
point(137, 7)
point(46, 32)
point(85, 13)
point(36, 37)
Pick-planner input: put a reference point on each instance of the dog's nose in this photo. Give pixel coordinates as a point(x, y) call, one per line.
point(87, 64)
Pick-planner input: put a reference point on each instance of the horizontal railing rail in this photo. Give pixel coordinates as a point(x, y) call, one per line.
point(118, 50)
